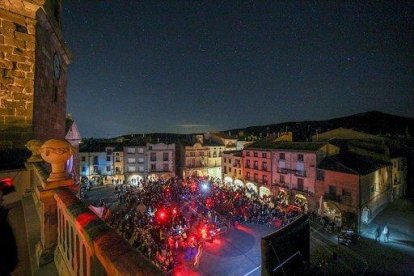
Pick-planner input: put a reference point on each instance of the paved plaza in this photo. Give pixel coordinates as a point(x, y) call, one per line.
point(237, 251)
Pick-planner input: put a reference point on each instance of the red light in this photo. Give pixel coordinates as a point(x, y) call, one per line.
point(161, 216)
point(7, 181)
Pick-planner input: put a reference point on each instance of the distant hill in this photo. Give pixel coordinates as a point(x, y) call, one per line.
point(152, 137)
point(373, 122)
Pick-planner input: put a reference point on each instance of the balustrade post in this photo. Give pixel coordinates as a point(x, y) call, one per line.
point(56, 153)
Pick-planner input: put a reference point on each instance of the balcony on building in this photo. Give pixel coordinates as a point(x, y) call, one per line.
point(300, 173)
point(282, 170)
point(281, 184)
point(332, 197)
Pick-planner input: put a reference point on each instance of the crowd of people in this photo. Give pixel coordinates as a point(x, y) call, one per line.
point(169, 220)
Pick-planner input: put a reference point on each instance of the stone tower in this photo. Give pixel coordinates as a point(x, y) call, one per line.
point(33, 70)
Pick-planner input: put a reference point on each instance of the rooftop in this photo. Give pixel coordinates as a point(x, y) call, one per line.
point(233, 152)
point(295, 146)
point(223, 135)
point(352, 164)
point(211, 143)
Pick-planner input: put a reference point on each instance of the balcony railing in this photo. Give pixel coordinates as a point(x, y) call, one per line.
point(332, 197)
point(282, 170)
point(280, 184)
point(300, 173)
point(87, 246)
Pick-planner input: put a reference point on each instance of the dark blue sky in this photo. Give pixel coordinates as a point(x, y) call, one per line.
point(189, 66)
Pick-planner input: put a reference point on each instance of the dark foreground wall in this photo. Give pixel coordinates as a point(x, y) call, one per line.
point(286, 251)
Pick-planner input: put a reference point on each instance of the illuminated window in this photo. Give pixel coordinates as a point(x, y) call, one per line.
point(130, 150)
point(153, 156)
point(254, 154)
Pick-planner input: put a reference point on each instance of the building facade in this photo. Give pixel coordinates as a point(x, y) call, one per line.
point(399, 176)
point(232, 168)
point(257, 169)
point(118, 157)
point(294, 170)
point(135, 163)
point(353, 189)
point(161, 161)
point(96, 163)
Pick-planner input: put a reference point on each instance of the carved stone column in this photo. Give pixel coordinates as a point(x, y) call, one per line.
point(56, 153)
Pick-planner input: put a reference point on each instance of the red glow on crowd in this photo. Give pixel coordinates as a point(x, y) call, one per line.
point(85, 218)
point(209, 203)
point(7, 181)
point(174, 211)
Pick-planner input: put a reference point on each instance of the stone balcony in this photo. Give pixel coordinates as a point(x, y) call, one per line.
point(57, 235)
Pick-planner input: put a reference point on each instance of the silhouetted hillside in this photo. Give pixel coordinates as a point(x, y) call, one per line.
point(373, 122)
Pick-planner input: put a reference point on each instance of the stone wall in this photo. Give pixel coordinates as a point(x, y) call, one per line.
point(32, 100)
point(17, 66)
point(49, 115)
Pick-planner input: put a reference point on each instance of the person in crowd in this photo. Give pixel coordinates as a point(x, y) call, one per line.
point(8, 247)
point(378, 233)
point(195, 219)
point(386, 233)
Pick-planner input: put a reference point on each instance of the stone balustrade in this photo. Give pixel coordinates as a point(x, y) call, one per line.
point(87, 246)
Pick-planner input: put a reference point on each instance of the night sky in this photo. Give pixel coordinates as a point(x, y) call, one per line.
point(194, 66)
